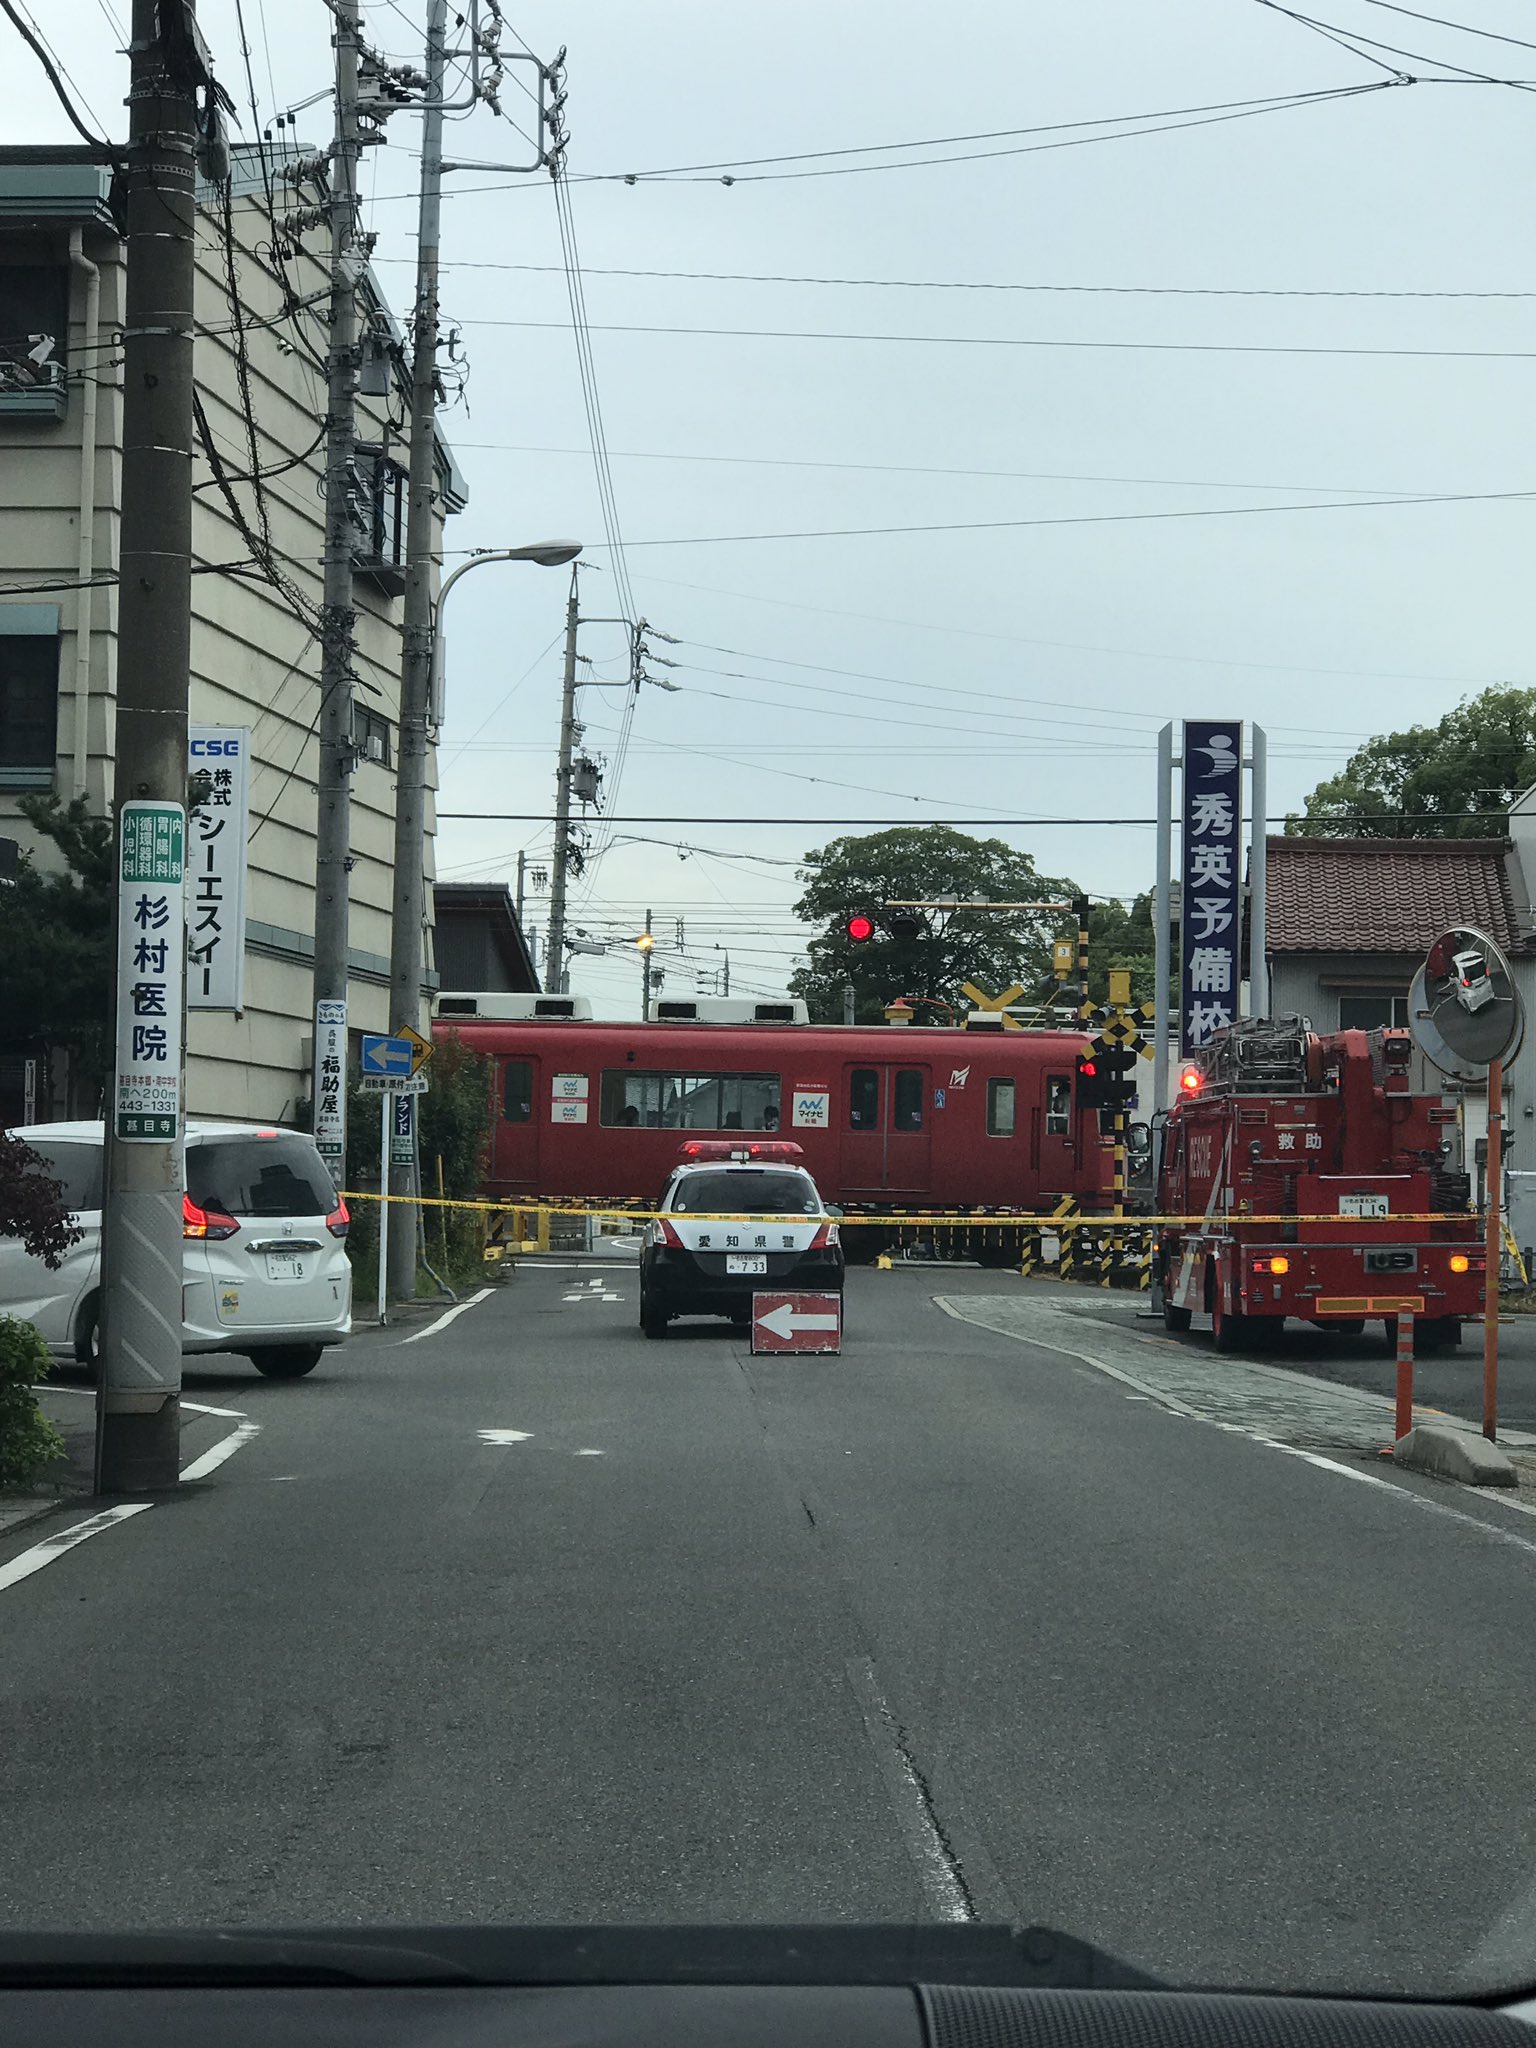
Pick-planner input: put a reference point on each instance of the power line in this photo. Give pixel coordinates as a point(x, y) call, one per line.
point(1334, 33)
point(1247, 110)
point(33, 40)
point(932, 284)
point(1048, 476)
point(1206, 348)
point(1078, 519)
point(1465, 28)
point(953, 823)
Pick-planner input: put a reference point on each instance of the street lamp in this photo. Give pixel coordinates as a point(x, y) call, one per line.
point(544, 554)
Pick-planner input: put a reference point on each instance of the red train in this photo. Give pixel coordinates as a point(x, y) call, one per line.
point(896, 1118)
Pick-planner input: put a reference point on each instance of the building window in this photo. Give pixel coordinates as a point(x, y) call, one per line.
point(1376, 1011)
point(34, 338)
point(690, 1102)
point(371, 734)
point(29, 695)
point(379, 516)
point(1001, 1113)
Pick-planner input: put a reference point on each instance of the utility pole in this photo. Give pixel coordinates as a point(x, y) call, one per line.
point(410, 894)
point(646, 945)
point(522, 870)
point(333, 831)
point(138, 1403)
point(554, 959)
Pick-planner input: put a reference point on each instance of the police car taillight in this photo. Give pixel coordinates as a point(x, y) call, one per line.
point(660, 1231)
point(826, 1238)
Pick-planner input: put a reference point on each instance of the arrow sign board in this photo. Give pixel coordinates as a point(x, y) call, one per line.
point(393, 1057)
point(797, 1322)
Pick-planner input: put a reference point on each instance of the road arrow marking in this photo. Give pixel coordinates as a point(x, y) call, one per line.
point(783, 1322)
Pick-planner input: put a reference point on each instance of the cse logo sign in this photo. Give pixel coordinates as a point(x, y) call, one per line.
point(200, 747)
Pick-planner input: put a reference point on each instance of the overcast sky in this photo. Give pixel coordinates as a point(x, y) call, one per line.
point(1014, 672)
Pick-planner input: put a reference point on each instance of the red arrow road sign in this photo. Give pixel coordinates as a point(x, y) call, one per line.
point(797, 1322)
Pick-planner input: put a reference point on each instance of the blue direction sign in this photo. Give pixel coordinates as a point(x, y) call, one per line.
point(381, 1054)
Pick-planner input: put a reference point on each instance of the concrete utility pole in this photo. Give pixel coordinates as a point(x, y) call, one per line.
point(645, 943)
point(554, 958)
point(410, 895)
point(333, 832)
point(138, 1406)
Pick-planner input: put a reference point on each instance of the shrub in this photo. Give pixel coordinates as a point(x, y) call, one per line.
point(28, 1441)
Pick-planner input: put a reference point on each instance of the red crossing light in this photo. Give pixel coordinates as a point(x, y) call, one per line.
point(860, 927)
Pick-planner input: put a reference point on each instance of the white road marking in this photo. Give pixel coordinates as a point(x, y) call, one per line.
point(226, 1447)
point(589, 1454)
point(33, 1560)
point(198, 1408)
point(503, 1436)
point(446, 1318)
point(592, 1297)
point(937, 1868)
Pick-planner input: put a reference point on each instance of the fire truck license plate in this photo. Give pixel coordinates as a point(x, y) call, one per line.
point(1364, 1205)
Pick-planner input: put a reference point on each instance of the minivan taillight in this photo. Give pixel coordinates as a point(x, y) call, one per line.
point(197, 1222)
point(336, 1223)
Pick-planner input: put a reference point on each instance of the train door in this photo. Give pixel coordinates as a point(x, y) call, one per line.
point(515, 1148)
point(1053, 1139)
point(886, 1137)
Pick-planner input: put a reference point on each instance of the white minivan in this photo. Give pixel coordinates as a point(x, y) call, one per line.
point(264, 1259)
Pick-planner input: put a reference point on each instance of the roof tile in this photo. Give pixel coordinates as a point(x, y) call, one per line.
point(1385, 895)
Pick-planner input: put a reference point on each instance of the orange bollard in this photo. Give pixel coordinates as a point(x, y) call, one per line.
point(1404, 1374)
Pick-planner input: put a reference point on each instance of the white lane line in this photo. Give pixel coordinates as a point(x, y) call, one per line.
point(198, 1408)
point(504, 1436)
point(226, 1447)
point(937, 1868)
point(589, 1454)
point(446, 1318)
point(33, 1560)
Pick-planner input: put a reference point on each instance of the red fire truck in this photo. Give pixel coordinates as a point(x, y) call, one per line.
point(1320, 1186)
point(908, 1119)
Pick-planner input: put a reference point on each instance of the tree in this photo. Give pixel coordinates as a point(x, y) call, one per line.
point(32, 1205)
point(1453, 780)
point(56, 939)
point(917, 863)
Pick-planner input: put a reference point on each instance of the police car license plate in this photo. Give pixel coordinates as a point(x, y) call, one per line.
point(746, 1262)
point(284, 1266)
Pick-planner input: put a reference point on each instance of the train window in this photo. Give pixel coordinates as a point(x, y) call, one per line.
point(1058, 1106)
point(1001, 1095)
point(690, 1102)
point(907, 1100)
point(517, 1091)
point(863, 1099)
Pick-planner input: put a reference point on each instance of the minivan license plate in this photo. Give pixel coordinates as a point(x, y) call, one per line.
point(745, 1262)
point(284, 1266)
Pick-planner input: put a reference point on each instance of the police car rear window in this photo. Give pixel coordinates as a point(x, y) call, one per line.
point(746, 1194)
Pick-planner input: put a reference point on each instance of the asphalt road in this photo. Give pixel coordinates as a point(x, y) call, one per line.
point(953, 1625)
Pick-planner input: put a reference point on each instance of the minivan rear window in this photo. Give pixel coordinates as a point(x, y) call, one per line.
point(280, 1176)
point(76, 1168)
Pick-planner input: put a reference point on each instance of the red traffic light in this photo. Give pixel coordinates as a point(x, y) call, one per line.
point(860, 927)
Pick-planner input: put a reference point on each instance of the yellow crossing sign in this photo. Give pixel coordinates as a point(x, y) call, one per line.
point(998, 1004)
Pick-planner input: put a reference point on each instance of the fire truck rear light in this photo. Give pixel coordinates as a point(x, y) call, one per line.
point(1279, 1265)
point(1189, 1081)
point(1460, 1263)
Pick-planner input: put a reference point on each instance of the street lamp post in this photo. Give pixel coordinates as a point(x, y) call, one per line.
point(410, 892)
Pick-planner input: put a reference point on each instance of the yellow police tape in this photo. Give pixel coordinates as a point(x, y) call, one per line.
point(973, 1219)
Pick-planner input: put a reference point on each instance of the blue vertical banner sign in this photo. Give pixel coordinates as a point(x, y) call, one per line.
point(1211, 919)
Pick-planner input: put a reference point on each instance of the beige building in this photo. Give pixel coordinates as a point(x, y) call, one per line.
point(256, 588)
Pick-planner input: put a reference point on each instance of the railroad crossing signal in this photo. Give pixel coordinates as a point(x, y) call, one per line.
point(998, 1005)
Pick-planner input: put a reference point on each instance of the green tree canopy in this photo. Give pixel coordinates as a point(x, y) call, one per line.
point(56, 938)
point(991, 948)
point(1453, 780)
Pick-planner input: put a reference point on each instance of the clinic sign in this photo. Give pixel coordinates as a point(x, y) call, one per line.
point(1211, 918)
point(216, 868)
point(151, 945)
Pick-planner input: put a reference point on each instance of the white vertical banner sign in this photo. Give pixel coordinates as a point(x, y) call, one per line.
point(151, 950)
point(330, 1089)
point(216, 868)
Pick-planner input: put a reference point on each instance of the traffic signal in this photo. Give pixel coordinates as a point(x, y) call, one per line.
point(860, 928)
point(1104, 1080)
point(906, 924)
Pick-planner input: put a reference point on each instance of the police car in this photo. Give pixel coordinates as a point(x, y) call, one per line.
point(733, 1219)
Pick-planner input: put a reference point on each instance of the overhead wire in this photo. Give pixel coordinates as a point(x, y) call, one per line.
point(33, 38)
point(1465, 27)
